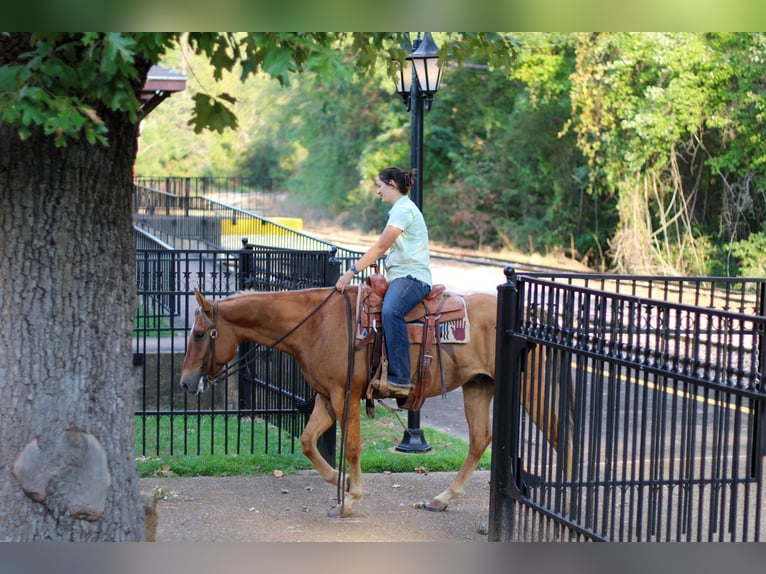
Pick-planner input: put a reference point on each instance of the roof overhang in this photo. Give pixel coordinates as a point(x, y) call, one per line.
point(161, 83)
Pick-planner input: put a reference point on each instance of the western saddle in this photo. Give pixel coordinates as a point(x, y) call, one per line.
point(423, 322)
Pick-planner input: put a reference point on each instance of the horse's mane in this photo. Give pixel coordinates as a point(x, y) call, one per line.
point(244, 293)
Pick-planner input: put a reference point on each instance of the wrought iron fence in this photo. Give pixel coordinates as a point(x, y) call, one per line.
point(202, 232)
point(652, 398)
point(268, 389)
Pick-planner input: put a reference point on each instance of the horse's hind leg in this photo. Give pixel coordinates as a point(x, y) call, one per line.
point(321, 419)
point(477, 396)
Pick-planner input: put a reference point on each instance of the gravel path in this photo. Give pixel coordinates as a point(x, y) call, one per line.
point(294, 509)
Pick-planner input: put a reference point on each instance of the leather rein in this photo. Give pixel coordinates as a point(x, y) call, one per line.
point(208, 364)
point(208, 360)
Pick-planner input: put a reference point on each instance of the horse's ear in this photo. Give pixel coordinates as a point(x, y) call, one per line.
point(204, 304)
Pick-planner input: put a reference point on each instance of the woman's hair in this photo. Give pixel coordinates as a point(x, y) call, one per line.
point(402, 180)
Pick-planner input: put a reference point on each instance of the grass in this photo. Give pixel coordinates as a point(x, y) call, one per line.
point(223, 453)
point(151, 323)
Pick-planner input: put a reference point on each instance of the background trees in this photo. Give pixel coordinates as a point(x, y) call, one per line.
point(632, 152)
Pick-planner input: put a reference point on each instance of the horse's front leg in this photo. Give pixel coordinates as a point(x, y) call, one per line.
point(321, 419)
point(353, 449)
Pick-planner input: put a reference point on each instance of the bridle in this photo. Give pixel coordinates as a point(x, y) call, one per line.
point(208, 360)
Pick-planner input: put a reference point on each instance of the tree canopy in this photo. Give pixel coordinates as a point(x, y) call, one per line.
point(630, 151)
point(635, 152)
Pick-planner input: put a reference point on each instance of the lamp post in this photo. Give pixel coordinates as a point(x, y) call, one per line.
point(417, 92)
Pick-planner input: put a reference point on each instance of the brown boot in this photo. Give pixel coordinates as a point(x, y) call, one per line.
point(386, 389)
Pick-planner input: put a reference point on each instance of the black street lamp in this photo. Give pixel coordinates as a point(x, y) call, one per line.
point(417, 92)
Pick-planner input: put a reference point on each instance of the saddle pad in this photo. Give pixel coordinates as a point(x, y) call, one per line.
point(457, 331)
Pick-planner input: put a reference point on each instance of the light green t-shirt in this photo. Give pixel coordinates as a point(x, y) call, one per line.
point(409, 255)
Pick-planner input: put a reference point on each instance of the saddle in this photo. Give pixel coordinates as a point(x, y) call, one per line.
point(423, 325)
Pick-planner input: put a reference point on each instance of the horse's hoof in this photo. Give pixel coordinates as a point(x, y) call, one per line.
point(436, 505)
point(340, 511)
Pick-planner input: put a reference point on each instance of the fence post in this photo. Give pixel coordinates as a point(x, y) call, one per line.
point(759, 422)
point(332, 268)
point(505, 418)
point(244, 385)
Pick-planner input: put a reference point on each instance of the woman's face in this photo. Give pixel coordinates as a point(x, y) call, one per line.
point(388, 192)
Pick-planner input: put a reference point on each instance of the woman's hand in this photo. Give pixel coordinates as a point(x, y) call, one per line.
point(344, 280)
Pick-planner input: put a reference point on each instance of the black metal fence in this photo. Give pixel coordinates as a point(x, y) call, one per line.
point(655, 393)
point(267, 389)
point(253, 193)
point(202, 232)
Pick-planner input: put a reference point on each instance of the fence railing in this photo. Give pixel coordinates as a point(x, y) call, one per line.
point(193, 221)
point(253, 193)
point(743, 295)
point(646, 416)
point(267, 389)
point(202, 232)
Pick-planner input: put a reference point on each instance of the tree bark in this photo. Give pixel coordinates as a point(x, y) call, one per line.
point(67, 470)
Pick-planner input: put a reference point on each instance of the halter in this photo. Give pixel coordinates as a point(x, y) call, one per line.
point(208, 360)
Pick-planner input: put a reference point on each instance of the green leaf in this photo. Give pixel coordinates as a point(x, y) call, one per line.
point(210, 113)
point(228, 97)
point(277, 63)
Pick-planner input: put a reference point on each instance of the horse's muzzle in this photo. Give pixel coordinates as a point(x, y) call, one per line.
point(195, 389)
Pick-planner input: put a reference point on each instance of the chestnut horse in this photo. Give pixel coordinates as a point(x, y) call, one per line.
point(311, 326)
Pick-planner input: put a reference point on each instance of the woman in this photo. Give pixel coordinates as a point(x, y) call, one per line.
point(407, 272)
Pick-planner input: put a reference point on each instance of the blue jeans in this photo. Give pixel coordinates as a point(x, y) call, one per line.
point(401, 297)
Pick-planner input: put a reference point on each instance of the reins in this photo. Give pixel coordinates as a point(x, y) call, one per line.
point(346, 401)
point(210, 358)
point(210, 352)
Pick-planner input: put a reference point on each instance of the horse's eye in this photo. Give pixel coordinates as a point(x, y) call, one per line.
point(199, 335)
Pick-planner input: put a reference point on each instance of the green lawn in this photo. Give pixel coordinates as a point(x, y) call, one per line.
point(224, 453)
point(148, 322)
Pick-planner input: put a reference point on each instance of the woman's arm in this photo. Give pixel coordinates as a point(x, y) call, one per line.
point(375, 252)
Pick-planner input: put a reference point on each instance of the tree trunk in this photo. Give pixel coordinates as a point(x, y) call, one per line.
point(67, 470)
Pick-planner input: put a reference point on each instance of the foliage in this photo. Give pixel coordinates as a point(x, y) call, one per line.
point(750, 254)
point(254, 149)
point(630, 151)
point(657, 116)
point(333, 124)
point(64, 81)
point(636, 152)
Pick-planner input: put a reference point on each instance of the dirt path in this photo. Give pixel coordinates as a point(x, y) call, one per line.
point(294, 509)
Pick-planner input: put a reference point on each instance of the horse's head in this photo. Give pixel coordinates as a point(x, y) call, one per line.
point(211, 345)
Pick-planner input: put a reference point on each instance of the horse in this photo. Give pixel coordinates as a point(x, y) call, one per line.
point(311, 325)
